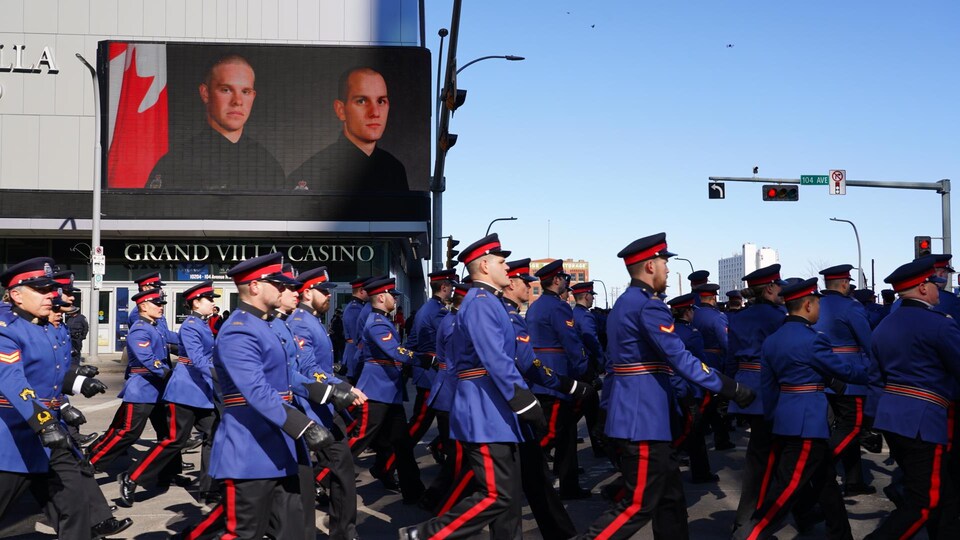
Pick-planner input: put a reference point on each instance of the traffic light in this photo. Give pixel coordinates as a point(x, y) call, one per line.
point(455, 99)
point(452, 253)
point(921, 246)
point(780, 192)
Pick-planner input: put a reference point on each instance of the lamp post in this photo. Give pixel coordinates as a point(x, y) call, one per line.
point(688, 262)
point(510, 57)
point(857, 236)
point(93, 303)
point(606, 299)
point(496, 220)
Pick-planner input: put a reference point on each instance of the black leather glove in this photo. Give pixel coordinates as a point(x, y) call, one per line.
point(577, 389)
point(340, 369)
point(528, 410)
point(54, 436)
point(340, 398)
point(742, 394)
point(838, 386)
point(92, 387)
point(88, 371)
point(317, 437)
point(72, 415)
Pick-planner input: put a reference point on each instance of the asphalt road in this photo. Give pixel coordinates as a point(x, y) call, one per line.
point(161, 514)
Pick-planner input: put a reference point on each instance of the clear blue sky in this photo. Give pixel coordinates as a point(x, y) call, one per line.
point(622, 109)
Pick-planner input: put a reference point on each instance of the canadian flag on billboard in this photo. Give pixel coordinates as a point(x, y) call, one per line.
point(138, 130)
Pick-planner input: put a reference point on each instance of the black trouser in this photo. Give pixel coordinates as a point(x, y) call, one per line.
point(387, 424)
point(443, 482)
point(693, 440)
point(67, 492)
point(552, 518)
point(713, 417)
point(845, 436)
point(561, 435)
point(250, 508)
point(589, 410)
point(497, 502)
point(419, 423)
point(757, 468)
point(462, 480)
point(125, 429)
point(930, 497)
point(180, 420)
point(337, 474)
point(651, 471)
point(802, 464)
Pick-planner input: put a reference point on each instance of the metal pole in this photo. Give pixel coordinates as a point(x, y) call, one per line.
point(438, 186)
point(859, 260)
point(688, 262)
point(94, 300)
point(945, 211)
point(496, 220)
point(606, 298)
point(510, 57)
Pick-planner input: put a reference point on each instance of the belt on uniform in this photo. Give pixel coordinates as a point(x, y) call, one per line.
point(919, 393)
point(749, 366)
point(383, 362)
point(185, 360)
point(349, 340)
point(801, 388)
point(850, 349)
point(442, 365)
point(475, 373)
point(140, 371)
point(713, 351)
point(549, 349)
point(235, 400)
point(642, 368)
point(50, 403)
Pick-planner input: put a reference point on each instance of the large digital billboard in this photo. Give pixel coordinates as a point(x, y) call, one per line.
point(261, 124)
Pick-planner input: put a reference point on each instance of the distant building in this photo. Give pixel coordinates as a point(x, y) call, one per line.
point(579, 271)
point(731, 269)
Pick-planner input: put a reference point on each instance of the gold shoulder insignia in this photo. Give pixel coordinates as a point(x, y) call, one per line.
point(27, 393)
point(705, 368)
point(667, 329)
point(537, 362)
point(44, 417)
point(157, 363)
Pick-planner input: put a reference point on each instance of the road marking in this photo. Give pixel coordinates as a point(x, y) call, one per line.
point(379, 515)
point(107, 405)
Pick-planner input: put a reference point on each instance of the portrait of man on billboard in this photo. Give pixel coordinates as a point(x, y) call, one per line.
point(355, 162)
point(221, 156)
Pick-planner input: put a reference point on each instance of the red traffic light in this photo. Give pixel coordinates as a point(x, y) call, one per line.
point(771, 193)
point(780, 192)
point(924, 244)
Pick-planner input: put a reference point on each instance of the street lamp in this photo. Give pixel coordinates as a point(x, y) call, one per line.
point(509, 57)
point(857, 235)
point(688, 262)
point(606, 299)
point(496, 220)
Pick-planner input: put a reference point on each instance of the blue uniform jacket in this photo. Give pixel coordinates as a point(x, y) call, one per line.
point(363, 316)
point(169, 335)
point(712, 325)
point(350, 314)
point(693, 342)
point(33, 378)
point(643, 350)
point(530, 367)
point(797, 362)
point(483, 349)
point(918, 352)
point(192, 380)
point(844, 322)
point(422, 339)
point(555, 340)
point(748, 328)
point(256, 366)
point(314, 358)
point(586, 324)
point(383, 356)
point(146, 363)
point(445, 383)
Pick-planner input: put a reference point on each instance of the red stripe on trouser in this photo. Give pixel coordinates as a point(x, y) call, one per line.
point(643, 462)
point(106, 446)
point(787, 493)
point(552, 431)
point(458, 463)
point(205, 524)
point(491, 482)
point(767, 476)
point(421, 413)
point(231, 505)
point(322, 475)
point(171, 436)
point(455, 495)
point(364, 416)
point(934, 494)
point(857, 426)
point(390, 461)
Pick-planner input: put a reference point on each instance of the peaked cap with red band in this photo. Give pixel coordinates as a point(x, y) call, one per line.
point(763, 276)
point(807, 287)
point(942, 261)
point(443, 275)
point(267, 267)
point(154, 296)
point(151, 279)
point(317, 278)
point(682, 301)
point(707, 289)
point(64, 279)
point(699, 277)
point(488, 245)
point(550, 270)
point(202, 289)
point(646, 248)
point(840, 271)
point(36, 272)
point(460, 289)
point(382, 285)
point(358, 283)
point(585, 287)
point(913, 273)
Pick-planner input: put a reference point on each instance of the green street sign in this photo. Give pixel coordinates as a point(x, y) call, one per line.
point(814, 180)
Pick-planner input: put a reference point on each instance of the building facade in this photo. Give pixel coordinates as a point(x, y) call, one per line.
point(579, 271)
point(731, 269)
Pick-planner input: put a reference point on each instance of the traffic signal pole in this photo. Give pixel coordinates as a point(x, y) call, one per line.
point(438, 183)
point(942, 187)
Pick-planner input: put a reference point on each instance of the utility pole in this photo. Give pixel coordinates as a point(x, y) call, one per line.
point(438, 182)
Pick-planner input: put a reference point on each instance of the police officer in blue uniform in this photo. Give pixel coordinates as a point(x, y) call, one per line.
point(746, 333)
point(188, 399)
point(35, 450)
point(557, 344)
point(263, 438)
point(698, 278)
point(350, 314)
point(918, 352)
point(844, 322)
point(490, 403)
point(798, 363)
point(712, 325)
point(643, 417)
point(363, 316)
point(586, 324)
point(146, 282)
point(734, 301)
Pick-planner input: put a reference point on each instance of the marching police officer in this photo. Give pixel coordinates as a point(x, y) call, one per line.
point(350, 314)
point(734, 301)
point(586, 324)
point(490, 403)
point(712, 325)
point(643, 417)
point(844, 322)
point(557, 344)
point(698, 278)
point(798, 363)
point(918, 352)
point(146, 282)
